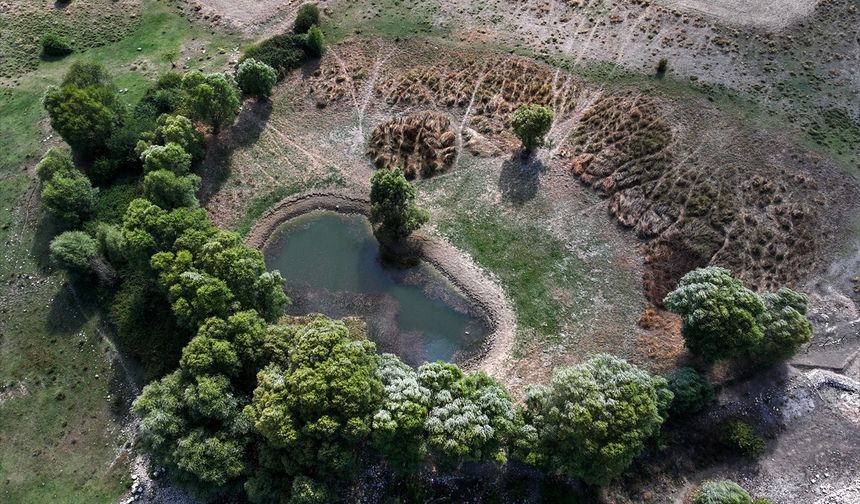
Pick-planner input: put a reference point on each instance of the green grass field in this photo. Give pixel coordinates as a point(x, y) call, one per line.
point(60, 416)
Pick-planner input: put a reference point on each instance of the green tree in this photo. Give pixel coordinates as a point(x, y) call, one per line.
point(69, 196)
point(721, 492)
point(531, 123)
point(784, 325)
point(594, 418)
point(471, 418)
point(234, 347)
point(256, 78)
point(398, 425)
point(691, 390)
point(54, 161)
point(167, 190)
point(392, 200)
point(75, 252)
point(211, 98)
point(308, 16)
point(148, 229)
point(314, 411)
point(85, 109)
point(166, 157)
point(80, 117)
point(315, 42)
point(720, 315)
point(179, 130)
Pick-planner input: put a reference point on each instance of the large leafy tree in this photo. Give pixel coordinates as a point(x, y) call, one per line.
point(720, 314)
point(170, 157)
point(785, 325)
point(69, 195)
point(256, 78)
point(471, 417)
point(211, 98)
point(531, 123)
point(392, 200)
point(169, 190)
point(75, 252)
point(85, 109)
point(398, 425)
point(314, 410)
point(181, 131)
point(594, 418)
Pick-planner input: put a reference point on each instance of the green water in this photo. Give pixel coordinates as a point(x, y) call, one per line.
point(332, 265)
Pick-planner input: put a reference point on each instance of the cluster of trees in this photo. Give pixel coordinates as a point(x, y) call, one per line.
point(122, 236)
point(288, 51)
point(722, 319)
point(323, 402)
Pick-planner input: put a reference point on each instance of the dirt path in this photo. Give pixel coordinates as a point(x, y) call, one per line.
point(475, 284)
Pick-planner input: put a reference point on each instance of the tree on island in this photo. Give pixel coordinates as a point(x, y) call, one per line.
point(530, 124)
point(392, 205)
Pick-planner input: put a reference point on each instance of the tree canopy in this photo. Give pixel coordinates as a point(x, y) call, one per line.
point(594, 418)
point(212, 98)
point(531, 123)
point(392, 200)
point(720, 314)
point(256, 78)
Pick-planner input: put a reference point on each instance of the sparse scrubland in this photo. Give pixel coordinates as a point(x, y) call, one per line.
point(673, 314)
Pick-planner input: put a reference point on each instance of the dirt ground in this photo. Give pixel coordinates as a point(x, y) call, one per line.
point(772, 14)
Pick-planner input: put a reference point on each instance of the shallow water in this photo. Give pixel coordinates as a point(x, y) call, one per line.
point(332, 265)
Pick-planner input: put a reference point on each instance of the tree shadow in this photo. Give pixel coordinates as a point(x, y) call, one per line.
point(519, 179)
point(63, 314)
point(215, 169)
point(46, 229)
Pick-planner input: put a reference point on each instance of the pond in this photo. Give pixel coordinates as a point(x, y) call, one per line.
point(332, 265)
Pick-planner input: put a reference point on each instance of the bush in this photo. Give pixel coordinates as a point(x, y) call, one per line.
point(692, 391)
point(315, 42)
point(113, 201)
point(741, 437)
point(55, 45)
point(256, 78)
point(309, 15)
point(281, 52)
point(721, 492)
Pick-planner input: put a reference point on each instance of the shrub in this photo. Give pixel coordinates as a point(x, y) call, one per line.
point(721, 492)
point(315, 42)
point(530, 123)
point(662, 66)
point(308, 16)
point(784, 324)
point(256, 78)
point(55, 45)
point(281, 52)
point(692, 391)
point(741, 437)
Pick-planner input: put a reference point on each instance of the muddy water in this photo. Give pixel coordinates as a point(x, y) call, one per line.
point(332, 265)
